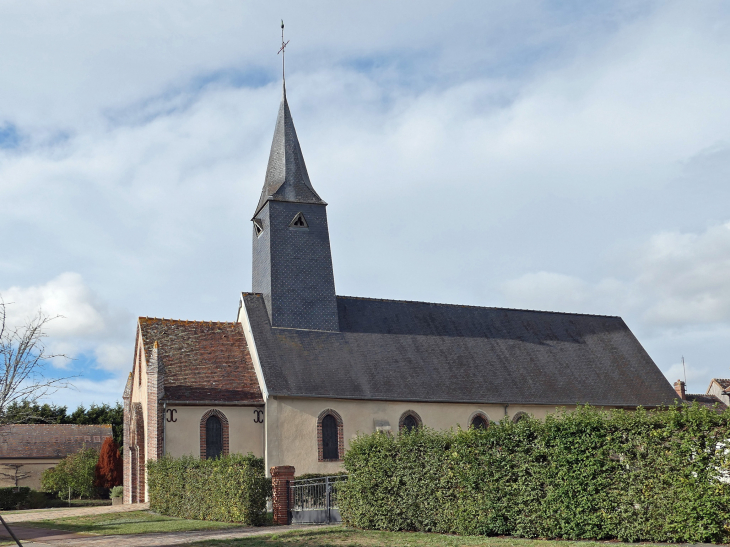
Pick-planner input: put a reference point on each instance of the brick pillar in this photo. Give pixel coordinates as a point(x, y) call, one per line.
point(127, 448)
point(680, 389)
point(280, 476)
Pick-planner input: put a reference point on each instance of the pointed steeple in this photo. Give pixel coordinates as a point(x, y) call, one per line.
point(286, 175)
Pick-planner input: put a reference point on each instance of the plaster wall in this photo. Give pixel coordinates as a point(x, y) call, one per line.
point(291, 424)
point(182, 436)
point(29, 466)
point(717, 390)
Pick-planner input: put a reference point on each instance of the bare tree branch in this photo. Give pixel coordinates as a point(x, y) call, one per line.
point(23, 358)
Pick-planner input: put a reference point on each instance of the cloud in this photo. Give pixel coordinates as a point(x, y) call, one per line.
point(674, 291)
point(499, 157)
point(82, 322)
point(67, 295)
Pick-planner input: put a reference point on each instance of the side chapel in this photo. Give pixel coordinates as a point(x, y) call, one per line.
point(302, 370)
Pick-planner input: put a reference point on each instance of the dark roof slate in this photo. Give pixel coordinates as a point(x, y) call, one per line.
point(49, 440)
point(286, 174)
point(705, 400)
point(394, 350)
point(202, 361)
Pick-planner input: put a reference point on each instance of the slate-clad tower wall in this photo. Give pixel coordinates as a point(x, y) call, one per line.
point(292, 260)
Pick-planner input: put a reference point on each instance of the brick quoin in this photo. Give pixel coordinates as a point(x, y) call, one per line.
point(280, 477)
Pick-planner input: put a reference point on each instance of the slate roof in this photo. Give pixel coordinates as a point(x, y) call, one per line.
point(202, 361)
point(416, 351)
point(49, 440)
point(705, 400)
point(286, 175)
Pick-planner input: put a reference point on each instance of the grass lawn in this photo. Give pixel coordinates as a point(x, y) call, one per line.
point(344, 537)
point(133, 522)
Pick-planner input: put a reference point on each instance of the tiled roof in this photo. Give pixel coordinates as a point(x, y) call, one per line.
point(286, 175)
point(49, 440)
point(202, 361)
point(417, 351)
point(705, 400)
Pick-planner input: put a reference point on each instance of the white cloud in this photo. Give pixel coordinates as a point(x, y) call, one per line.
point(464, 159)
point(68, 296)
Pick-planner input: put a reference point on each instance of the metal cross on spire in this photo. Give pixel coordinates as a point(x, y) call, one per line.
point(282, 50)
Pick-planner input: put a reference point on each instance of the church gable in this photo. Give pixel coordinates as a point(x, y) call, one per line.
point(202, 361)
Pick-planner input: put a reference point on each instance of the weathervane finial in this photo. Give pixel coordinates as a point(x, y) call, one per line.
point(282, 50)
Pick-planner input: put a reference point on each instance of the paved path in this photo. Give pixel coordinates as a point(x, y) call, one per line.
point(44, 514)
point(168, 539)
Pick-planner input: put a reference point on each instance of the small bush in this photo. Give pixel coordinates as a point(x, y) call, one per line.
point(116, 492)
point(634, 476)
point(36, 500)
point(229, 489)
point(12, 498)
point(74, 473)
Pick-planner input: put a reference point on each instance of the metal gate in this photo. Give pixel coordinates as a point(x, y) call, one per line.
point(315, 500)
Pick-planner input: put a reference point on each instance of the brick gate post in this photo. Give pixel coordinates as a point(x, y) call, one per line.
point(280, 477)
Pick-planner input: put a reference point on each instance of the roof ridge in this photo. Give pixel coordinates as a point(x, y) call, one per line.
point(471, 306)
point(144, 319)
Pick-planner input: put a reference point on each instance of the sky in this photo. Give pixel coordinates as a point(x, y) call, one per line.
point(563, 156)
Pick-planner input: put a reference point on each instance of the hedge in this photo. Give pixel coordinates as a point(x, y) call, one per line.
point(586, 474)
point(229, 489)
point(11, 498)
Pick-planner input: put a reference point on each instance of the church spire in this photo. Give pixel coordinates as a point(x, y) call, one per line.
point(292, 259)
point(286, 175)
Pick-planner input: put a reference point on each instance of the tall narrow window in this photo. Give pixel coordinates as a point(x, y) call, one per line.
point(213, 438)
point(330, 438)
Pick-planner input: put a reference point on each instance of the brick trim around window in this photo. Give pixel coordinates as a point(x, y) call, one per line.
point(517, 417)
point(224, 425)
point(340, 435)
point(405, 415)
point(482, 415)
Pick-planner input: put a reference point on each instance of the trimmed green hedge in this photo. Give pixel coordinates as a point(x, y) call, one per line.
point(229, 489)
point(11, 498)
point(587, 474)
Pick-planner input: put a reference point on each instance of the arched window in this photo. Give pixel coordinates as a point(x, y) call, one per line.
point(330, 442)
point(213, 434)
point(409, 421)
point(330, 436)
point(479, 422)
point(213, 438)
point(519, 417)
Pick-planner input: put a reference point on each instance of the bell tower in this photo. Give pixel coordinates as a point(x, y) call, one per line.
point(292, 261)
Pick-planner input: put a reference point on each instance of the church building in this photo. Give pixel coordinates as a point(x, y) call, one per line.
point(302, 370)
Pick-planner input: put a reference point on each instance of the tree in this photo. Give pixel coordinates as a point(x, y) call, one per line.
point(74, 474)
point(23, 358)
point(108, 471)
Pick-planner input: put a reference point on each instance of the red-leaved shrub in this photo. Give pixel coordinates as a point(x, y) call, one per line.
point(108, 472)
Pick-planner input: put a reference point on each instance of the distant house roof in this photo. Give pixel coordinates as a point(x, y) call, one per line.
point(724, 383)
point(49, 440)
point(202, 361)
point(395, 350)
point(705, 400)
